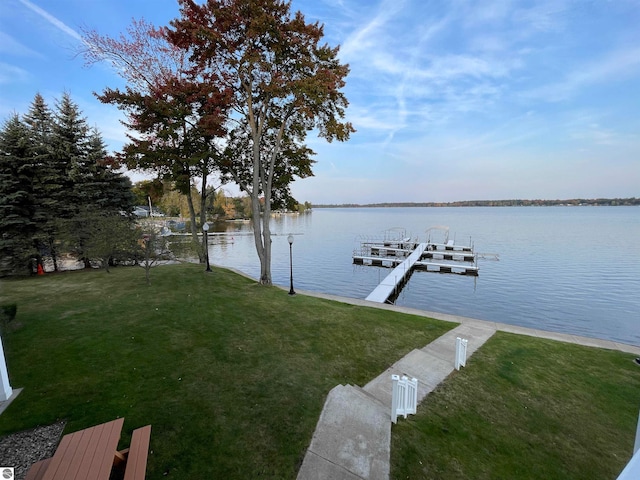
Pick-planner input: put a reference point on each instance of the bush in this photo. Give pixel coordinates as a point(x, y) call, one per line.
point(7, 315)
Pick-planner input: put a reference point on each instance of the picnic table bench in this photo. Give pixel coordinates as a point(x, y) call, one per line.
point(91, 454)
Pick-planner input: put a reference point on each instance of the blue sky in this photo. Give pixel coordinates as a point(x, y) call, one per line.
point(452, 100)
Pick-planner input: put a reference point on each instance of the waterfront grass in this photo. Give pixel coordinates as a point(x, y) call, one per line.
point(231, 375)
point(525, 408)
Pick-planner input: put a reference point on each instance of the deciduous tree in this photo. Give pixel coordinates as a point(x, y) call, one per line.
point(285, 83)
point(149, 189)
point(177, 117)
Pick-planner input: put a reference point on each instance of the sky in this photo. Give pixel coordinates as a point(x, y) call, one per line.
point(451, 99)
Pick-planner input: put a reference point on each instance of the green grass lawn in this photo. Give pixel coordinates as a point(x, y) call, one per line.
point(525, 408)
point(231, 375)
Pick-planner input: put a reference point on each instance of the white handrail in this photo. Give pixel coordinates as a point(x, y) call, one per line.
point(404, 396)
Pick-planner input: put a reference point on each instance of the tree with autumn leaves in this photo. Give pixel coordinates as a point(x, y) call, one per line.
point(253, 81)
point(176, 117)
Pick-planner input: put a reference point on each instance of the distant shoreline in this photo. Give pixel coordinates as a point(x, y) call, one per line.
point(576, 202)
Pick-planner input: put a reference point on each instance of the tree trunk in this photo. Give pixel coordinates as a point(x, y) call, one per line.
point(259, 240)
point(203, 211)
point(194, 224)
point(265, 264)
point(53, 253)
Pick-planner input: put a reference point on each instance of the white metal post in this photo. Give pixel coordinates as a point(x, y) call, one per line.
point(412, 396)
point(394, 398)
point(461, 352)
point(636, 445)
point(404, 396)
point(5, 388)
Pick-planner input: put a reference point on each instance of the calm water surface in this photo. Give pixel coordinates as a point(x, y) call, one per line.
point(566, 269)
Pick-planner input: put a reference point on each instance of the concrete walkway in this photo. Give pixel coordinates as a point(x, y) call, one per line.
point(352, 440)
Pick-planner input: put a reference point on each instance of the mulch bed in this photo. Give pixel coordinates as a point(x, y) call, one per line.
point(23, 449)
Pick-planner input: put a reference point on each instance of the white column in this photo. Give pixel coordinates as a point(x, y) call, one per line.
point(5, 388)
point(636, 445)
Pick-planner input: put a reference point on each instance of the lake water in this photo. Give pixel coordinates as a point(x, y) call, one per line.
point(566, 269)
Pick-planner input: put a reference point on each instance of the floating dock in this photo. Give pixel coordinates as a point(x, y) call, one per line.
point(393, 282)
point(405, 256)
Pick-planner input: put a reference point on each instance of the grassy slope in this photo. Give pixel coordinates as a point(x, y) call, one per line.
point(231, 375)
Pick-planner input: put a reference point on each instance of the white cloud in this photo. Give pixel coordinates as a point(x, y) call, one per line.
point(10, 46)
point(12, 74)
point(615, 66)
point(367, 37)
point(543, 16)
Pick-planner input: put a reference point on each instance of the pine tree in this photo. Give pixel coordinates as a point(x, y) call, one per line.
point(70, 156)
point(39, 122)
point(17, 202)
point(102, 195)
point(107, 189)
point(58, 188)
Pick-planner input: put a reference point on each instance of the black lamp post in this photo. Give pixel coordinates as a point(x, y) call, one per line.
point(205, 229)
point(290, 240)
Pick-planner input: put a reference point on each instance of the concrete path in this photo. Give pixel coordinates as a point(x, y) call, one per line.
point(430, 365)
point(353, 435)
point(352, 439)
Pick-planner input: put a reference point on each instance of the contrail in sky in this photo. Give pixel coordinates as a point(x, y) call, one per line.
point(51, 19)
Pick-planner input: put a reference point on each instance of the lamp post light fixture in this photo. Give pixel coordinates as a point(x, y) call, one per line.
point(205, 230)
point(290, 240)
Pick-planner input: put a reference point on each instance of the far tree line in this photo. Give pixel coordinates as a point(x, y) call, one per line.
point(219, 204)
point(602, 202)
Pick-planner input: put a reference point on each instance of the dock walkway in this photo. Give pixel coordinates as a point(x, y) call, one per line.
point(394, 281)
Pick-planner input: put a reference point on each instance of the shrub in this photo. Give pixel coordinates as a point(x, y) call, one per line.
point(7, 314)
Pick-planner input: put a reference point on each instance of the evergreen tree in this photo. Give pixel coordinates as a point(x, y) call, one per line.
point(39, 121)
point(107, 189)
point(56, 185)
point(100, 194)
point(59, 189)
point(17, 203)
point(70, 148)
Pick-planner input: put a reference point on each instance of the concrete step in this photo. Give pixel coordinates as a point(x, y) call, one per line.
point(352, 438)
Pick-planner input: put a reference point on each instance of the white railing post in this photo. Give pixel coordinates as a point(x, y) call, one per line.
point(461, 352)
point(632, 469)
point(404, 396)
point(636, 445)
point(395, 379)
point(411, 396)
point(5, 389)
